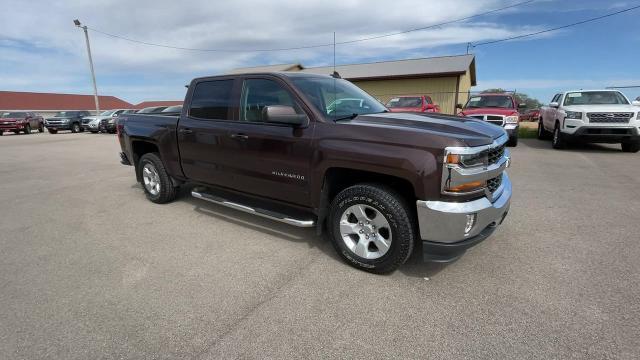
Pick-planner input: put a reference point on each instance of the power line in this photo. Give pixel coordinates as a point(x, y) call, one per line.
point(315, 46)
point(557, 28)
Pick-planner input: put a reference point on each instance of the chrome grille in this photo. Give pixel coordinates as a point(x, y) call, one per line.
point(495, 154)
point(609, 117)
point(55, 122)
point(494, 184)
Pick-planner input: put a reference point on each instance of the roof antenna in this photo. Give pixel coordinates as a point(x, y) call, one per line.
point(335, 74)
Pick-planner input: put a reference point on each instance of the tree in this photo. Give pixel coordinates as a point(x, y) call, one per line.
point(521, 98)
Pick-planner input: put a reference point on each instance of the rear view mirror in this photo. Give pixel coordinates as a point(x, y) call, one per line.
point(281, 114)
point(554, 104)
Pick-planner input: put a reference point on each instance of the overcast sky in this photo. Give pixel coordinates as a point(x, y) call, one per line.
point(41, 49)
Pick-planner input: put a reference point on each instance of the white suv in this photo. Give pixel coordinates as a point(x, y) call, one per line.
point(597, 116)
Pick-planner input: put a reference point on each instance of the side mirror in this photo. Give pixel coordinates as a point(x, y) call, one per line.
point(458, 106)
point(554, 104)
point(522, 106)
point(281, 114)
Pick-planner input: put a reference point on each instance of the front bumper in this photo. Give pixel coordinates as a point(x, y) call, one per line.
point(93, 127)
point(443, 224)
point(602, 134)
point(11, 127)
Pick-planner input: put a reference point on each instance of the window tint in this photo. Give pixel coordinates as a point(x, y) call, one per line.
point(259, 93)
point(211, 100)
point(405, 101)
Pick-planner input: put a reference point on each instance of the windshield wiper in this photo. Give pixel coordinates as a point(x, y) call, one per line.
point(348, 117)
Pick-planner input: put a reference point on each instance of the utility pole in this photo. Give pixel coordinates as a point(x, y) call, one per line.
point(93, 74)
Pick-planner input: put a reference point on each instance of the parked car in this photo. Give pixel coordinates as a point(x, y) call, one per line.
point(595, 116)
point(377, 181)
point(151, 110)
point(92, 123)
point(173, 109)
point(530, 115)
point(20, 121)
point(418, 103)
point(499, 109)
point(108, 125)
point(66, 120)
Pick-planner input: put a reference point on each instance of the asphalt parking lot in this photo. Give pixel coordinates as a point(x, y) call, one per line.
point(90, 269)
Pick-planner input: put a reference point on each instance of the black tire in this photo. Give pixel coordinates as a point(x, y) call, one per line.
point(513, 141)
point(1, 132)
point(558, 141)
point(52, 131)
point(167, 191)
point(631, 147)
point(41, 128)
point(75, 128)
point(27, 129)
point(16, 132)
point(81, 129)
point(543, 134)
point(396, 212)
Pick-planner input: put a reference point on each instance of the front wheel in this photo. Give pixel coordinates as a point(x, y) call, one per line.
point(513, 141)
point(75, 128)
point(156, 182)
point(558, 141)
point(631, 147)
point(27, 129)
point(371, 227)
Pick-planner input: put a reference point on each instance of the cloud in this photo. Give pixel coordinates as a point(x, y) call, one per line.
point(51, 56)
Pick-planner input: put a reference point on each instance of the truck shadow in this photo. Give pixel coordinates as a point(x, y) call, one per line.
point(572, 147)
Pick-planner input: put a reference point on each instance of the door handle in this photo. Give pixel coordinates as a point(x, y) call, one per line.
point(239, 136)
point(185, 131)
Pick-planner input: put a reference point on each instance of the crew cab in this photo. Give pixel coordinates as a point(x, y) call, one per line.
point(500, 109)
point(418, 103)
point(66, 120)
point(272, 144)
point(595, 116)
point(20, 121)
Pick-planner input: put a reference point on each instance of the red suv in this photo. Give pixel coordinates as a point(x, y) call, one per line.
point(18, 121)
point(416, 103)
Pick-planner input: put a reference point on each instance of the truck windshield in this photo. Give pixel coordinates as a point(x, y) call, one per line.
point(11, 115)
point(595, 98)
point(404, 102)
point(490, 101)
point(337, 98)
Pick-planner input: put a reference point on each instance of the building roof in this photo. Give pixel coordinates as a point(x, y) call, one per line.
point(267, 68)
point(145, 104)
point(17, 100)
point(435, 66)
point(409, 68)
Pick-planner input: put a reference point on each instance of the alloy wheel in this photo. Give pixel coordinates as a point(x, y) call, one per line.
point(151, 179)
point(365, 231)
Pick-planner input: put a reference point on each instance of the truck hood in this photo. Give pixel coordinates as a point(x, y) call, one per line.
point(602, 108)
point(488, 111)
point(472, 132)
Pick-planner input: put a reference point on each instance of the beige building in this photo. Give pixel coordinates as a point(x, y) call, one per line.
point(447, 79)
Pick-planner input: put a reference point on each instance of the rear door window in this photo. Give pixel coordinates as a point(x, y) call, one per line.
point(212, 100)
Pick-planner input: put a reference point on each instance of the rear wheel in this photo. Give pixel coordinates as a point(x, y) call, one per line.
point(52, 131)
point(371, 228)
point(631, 147)
point(1, 132)
point(155, 180)
point(558, 141)
point(75, 128)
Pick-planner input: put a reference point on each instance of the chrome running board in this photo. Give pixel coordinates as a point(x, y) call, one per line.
point(255, 211)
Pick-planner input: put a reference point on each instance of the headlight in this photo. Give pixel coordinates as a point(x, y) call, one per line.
point(513, 119)
point(65, 120)
point(467, 160)
point(574, 115)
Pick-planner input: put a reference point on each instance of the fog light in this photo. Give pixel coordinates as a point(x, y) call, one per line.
point(471, 220)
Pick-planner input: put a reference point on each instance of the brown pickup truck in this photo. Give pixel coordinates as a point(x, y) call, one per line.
point(273, 145)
